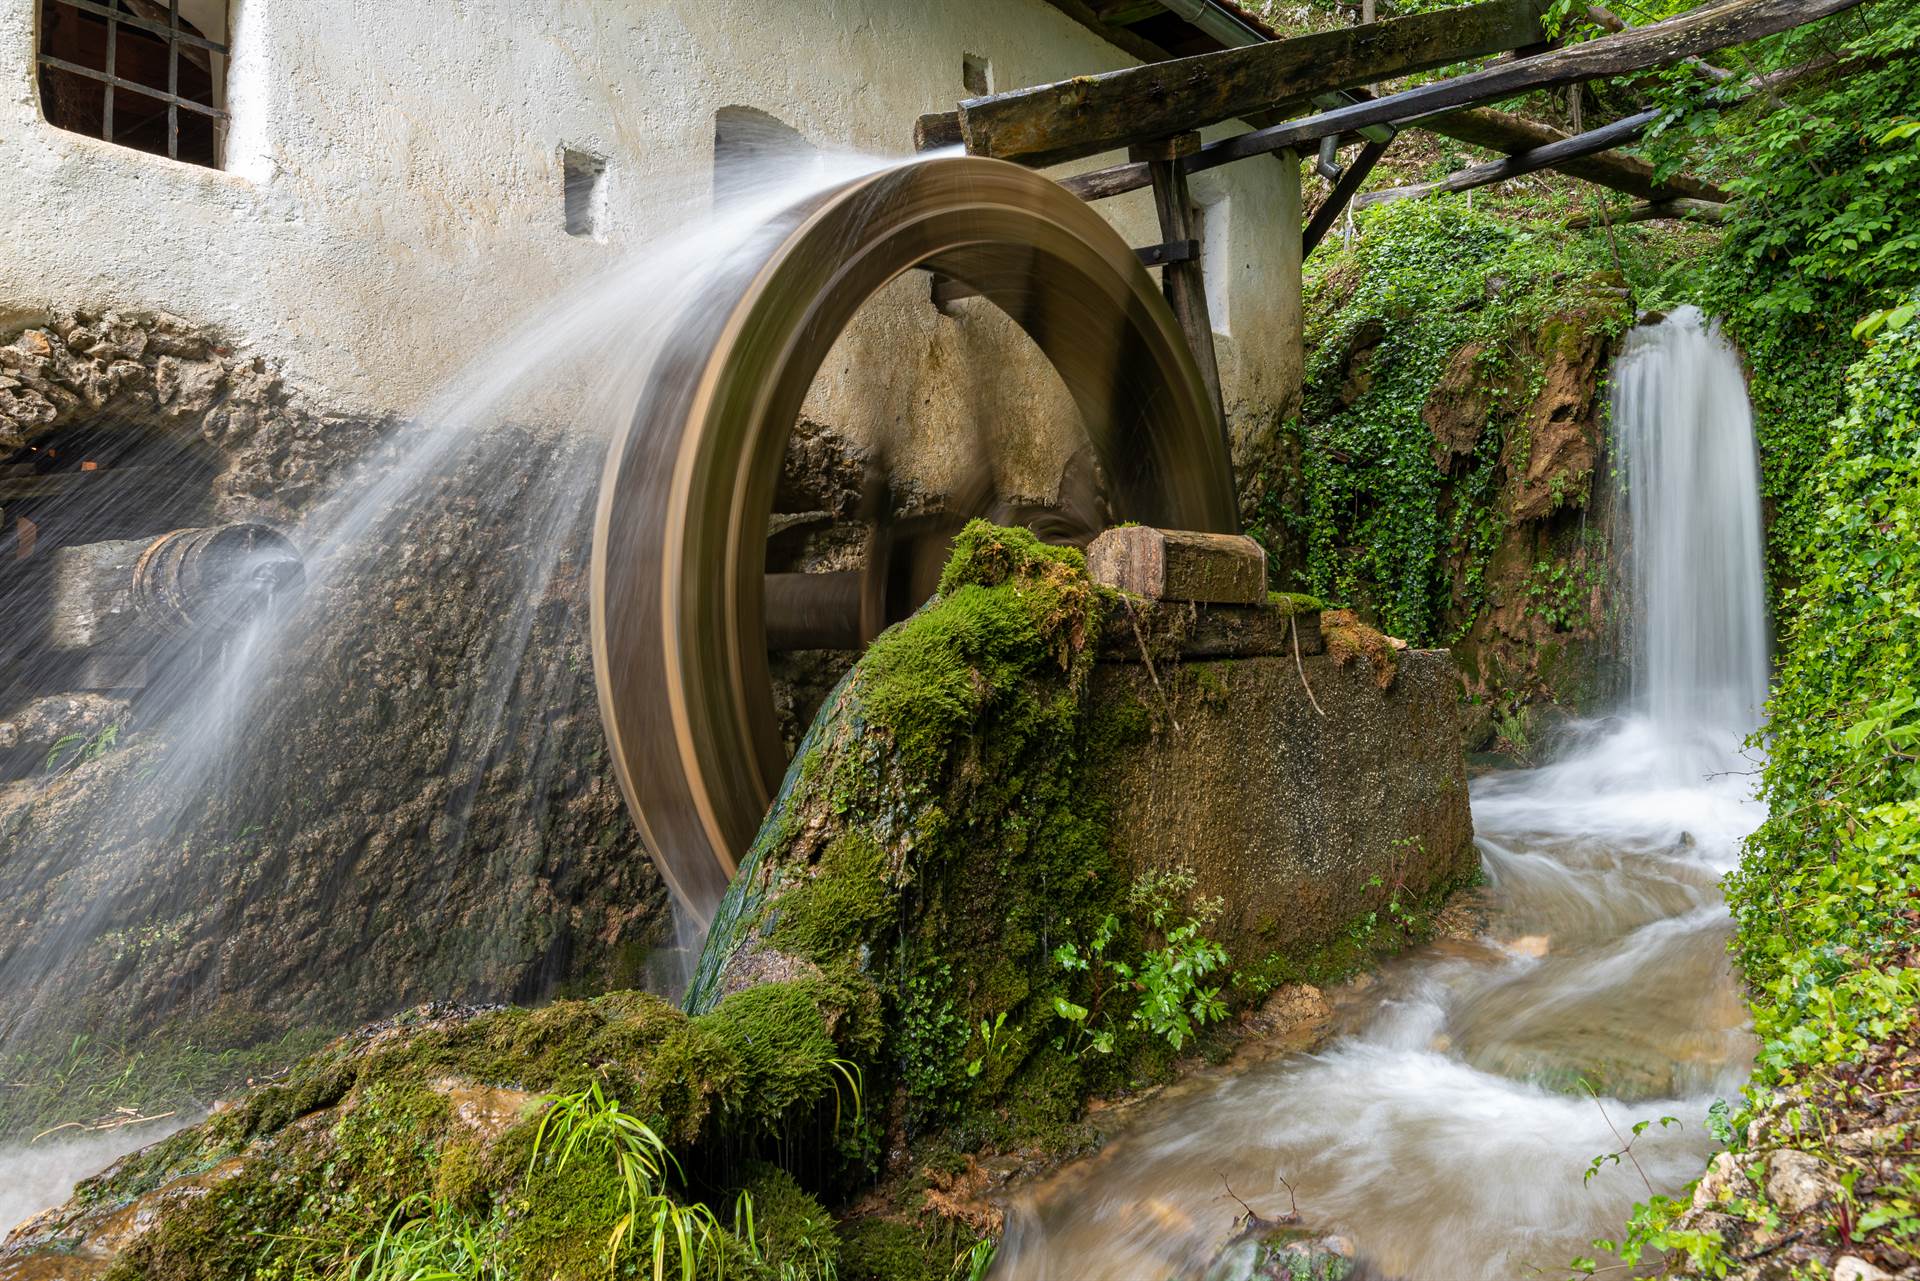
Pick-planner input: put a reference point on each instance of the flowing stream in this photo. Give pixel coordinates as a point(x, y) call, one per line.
point(1445, 1128)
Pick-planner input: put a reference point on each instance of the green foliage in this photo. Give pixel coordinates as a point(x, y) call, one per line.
point(1166, 977)
point(1383, 527)
point(428, 1240)
point(1823, 894)
point(591, 1128)
point(70, 750)
point(1557, 591)
point(1822, 235)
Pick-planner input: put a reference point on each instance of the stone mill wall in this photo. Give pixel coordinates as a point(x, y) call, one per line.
point(1303, 794)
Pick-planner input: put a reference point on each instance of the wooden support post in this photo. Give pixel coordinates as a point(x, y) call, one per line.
point(1350, 179)
point(1184, 281)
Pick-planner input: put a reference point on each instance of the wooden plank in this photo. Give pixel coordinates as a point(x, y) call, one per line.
point(1350, 179)
point(1072, 119)
point(1530, 160)
point(1679, 207)
point(1701, 31)
point(1657, 44)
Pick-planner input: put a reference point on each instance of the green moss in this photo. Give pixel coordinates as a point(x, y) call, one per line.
point(1290, 603)
point(886, 1250)
point(795, 1234)
point(958, 842)
point(845, 900)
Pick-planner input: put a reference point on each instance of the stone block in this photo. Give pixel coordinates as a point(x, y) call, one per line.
point(1301, 819)
point(1180, 565)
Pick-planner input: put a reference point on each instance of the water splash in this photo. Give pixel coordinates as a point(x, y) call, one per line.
point(1446, 1129)
point(442, 591)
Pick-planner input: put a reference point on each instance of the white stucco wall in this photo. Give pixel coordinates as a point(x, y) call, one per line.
point(392, 202)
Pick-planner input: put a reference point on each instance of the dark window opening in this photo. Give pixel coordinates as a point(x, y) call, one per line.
point(582, 173)
point(91, 483)
point(752, 149)
point(137, 73)
point(976, 75)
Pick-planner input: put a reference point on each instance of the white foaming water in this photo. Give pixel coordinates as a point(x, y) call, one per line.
point(591, 353)
point(1685, 433)
point(1446, 1130)
point(38, 1175)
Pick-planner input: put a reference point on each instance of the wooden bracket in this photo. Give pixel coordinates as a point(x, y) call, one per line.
point(1173, 147)
point(1173, 251)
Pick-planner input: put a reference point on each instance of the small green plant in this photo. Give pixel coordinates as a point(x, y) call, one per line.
point(988, 1031)
point(587, 1126)
point(427, 1240)
point(809, 1255)
point(1169, 979)
point(71, 750)
point(1559, 592)
point(974, 1262)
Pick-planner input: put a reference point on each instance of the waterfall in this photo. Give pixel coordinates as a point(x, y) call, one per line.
point(1444, 1135)
point(1685, 435)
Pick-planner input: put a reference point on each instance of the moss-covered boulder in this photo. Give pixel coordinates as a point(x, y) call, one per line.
point(430, 1129)
point(937, 836)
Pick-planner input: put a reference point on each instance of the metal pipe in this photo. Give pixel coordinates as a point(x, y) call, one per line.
point(1228, 28)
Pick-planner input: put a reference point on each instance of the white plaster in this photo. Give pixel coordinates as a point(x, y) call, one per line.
point(392, 197)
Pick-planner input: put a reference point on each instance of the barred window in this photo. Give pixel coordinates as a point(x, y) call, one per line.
point(147, 74)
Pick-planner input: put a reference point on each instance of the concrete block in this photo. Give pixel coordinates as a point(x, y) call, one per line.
point(1180, 565)
point(1303, 812)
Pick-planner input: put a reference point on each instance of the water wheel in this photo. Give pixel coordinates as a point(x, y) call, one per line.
point(683, 608)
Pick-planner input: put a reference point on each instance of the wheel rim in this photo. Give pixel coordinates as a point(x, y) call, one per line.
point(679, 551)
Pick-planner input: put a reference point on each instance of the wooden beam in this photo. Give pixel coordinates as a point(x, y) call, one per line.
point(1547, 156)
point(1119, 37)
point(1700, 31)
point(1184, 281)
point(1072, 119)
point(1679, 207)
point(1350, 179)
point(1501, 131)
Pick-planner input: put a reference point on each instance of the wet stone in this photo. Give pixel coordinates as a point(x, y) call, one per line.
point(1182, 565)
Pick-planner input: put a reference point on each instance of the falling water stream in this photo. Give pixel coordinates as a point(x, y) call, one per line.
point(1444, 1129)
point(463, 463)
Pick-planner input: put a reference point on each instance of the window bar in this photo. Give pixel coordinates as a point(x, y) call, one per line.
point(106, 94)
point(141, 24)
point(173, 79)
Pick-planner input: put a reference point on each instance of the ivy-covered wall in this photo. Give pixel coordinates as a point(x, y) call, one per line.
point(1448, 475)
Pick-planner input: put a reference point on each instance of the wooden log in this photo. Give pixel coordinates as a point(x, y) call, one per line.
point(1679, 207)
point(1547, 156)
point(1608, 20)
point(1503, 131)
point(1700, 31)
point(1350, 179)
point(1071, 119)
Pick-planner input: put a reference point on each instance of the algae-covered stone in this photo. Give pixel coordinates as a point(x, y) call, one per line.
point(937, 835)
point(440, 1112)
